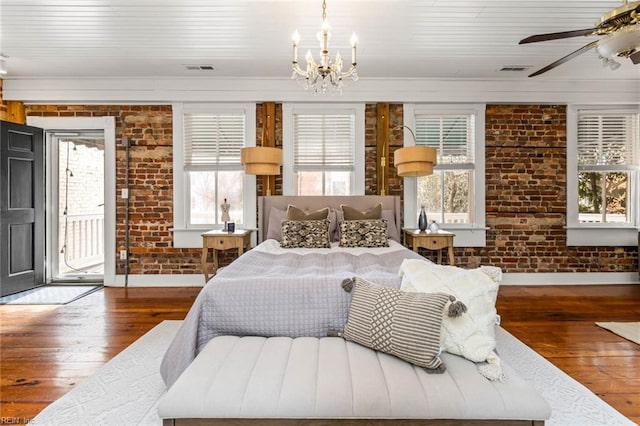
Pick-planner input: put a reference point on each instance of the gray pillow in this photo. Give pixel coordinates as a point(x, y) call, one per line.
point(274, 229)
point(392, 229)
point(305, 234)
point(350, 213)
point(295, 213)
point(398, 323)
point(364, 233)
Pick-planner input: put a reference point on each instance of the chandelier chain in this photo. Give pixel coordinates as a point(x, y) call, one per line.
point(324, 10)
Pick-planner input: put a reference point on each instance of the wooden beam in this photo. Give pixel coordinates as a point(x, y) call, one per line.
point(382, 148)
point(269, 140)
point(16, 112)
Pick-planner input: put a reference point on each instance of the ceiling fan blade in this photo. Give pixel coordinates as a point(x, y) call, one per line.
point(635, 57)
point(555, 36)
point(566, 58)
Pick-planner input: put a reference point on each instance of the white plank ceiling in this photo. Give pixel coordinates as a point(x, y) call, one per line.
point(251, 38)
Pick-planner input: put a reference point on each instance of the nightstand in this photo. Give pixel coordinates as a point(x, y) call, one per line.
point(222, 240)
point(414, 239)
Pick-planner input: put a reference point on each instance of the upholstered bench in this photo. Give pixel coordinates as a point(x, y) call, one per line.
point(279, 381)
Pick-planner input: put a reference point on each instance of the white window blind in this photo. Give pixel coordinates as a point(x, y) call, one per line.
point(213, 141)
point(451, 135)
point(323, 142)
point(608, 141)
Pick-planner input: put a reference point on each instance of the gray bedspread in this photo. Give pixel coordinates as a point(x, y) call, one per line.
point(265, 294)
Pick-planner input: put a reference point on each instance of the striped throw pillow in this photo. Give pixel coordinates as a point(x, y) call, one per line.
point(406, 325)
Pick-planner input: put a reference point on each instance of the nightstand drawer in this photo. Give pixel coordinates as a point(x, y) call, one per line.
point(436, 243)
point(439, 240)
point(224, 243)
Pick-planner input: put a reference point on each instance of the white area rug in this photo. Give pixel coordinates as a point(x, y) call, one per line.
point(628, 330)
point(125, 391)
point(49, 295)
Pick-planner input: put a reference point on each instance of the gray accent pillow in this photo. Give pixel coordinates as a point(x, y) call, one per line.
point(392, 229)
point(295, 213)
point(350, 213)
point(305, 234)
point(274, 230)
point(406, 325)
point(364, 233)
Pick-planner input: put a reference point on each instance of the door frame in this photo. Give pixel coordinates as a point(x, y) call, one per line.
point(108, 126)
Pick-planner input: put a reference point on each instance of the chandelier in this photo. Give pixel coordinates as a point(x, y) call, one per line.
point(327, 75)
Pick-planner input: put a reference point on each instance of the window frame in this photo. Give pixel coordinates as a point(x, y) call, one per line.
point(597, 234)
point(467, 235)
point(189, 236)
point(288, 112)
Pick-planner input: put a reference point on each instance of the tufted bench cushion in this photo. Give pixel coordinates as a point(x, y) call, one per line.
point(281, 377)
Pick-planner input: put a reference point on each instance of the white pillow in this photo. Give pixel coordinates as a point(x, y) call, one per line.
point(471, 335)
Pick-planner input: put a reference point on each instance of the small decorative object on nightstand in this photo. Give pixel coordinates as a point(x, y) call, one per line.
point(422, 219)
point(225, 213)
point(222, 240)
point(438, 240)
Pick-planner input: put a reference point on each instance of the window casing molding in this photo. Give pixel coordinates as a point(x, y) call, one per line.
point(288, 112)
point(467, 235)
point(597, 234)
point(190, 236)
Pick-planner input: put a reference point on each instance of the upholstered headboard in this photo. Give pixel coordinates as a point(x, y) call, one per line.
point(361, 202)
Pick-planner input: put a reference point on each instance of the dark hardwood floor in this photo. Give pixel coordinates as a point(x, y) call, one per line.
point(46, 350)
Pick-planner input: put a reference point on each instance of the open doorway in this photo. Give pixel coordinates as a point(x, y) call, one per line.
point(75, 127)
point(77, 205)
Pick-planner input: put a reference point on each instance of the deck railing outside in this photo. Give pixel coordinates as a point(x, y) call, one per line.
point(83, 242)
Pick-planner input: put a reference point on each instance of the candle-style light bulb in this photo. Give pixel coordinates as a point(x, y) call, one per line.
point(296, 39)
point(354, 43)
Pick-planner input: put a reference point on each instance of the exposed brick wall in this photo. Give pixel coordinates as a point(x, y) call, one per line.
point(525, 182)
point(278, 130)
point(149, 129)
point(394, 185)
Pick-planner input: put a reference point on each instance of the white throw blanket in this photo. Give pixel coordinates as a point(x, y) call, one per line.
point(471, 335)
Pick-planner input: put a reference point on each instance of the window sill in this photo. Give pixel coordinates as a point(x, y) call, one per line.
point(189, 237)
point(467, 236)
point(602, 236)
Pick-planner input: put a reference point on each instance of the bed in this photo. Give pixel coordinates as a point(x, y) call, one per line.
point(254, 348)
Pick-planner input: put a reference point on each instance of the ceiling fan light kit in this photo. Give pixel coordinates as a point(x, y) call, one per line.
point(326, 76)
point(620, 38)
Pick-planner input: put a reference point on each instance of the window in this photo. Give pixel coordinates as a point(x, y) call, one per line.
point(324, 150)
point(446, 193)
point(208, 169)
point(603, 159)
point(212, 143)
point(453, 195)
point(607, 158)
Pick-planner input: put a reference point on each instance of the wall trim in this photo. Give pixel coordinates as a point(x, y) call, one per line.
point(159, 280)
point(183, 89)
point(559, 278)
point(570, 278)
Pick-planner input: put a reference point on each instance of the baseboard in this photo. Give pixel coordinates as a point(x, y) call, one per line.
point(570, 278)
point(539, 278)
point(158, 280)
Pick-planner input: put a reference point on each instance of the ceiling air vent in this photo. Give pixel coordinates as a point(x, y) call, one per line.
point(199, 67)
point(515, 68)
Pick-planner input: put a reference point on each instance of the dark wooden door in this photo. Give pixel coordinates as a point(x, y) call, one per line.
point(21, 207)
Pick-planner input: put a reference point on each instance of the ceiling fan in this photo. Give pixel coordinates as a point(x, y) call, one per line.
point(620, 31)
